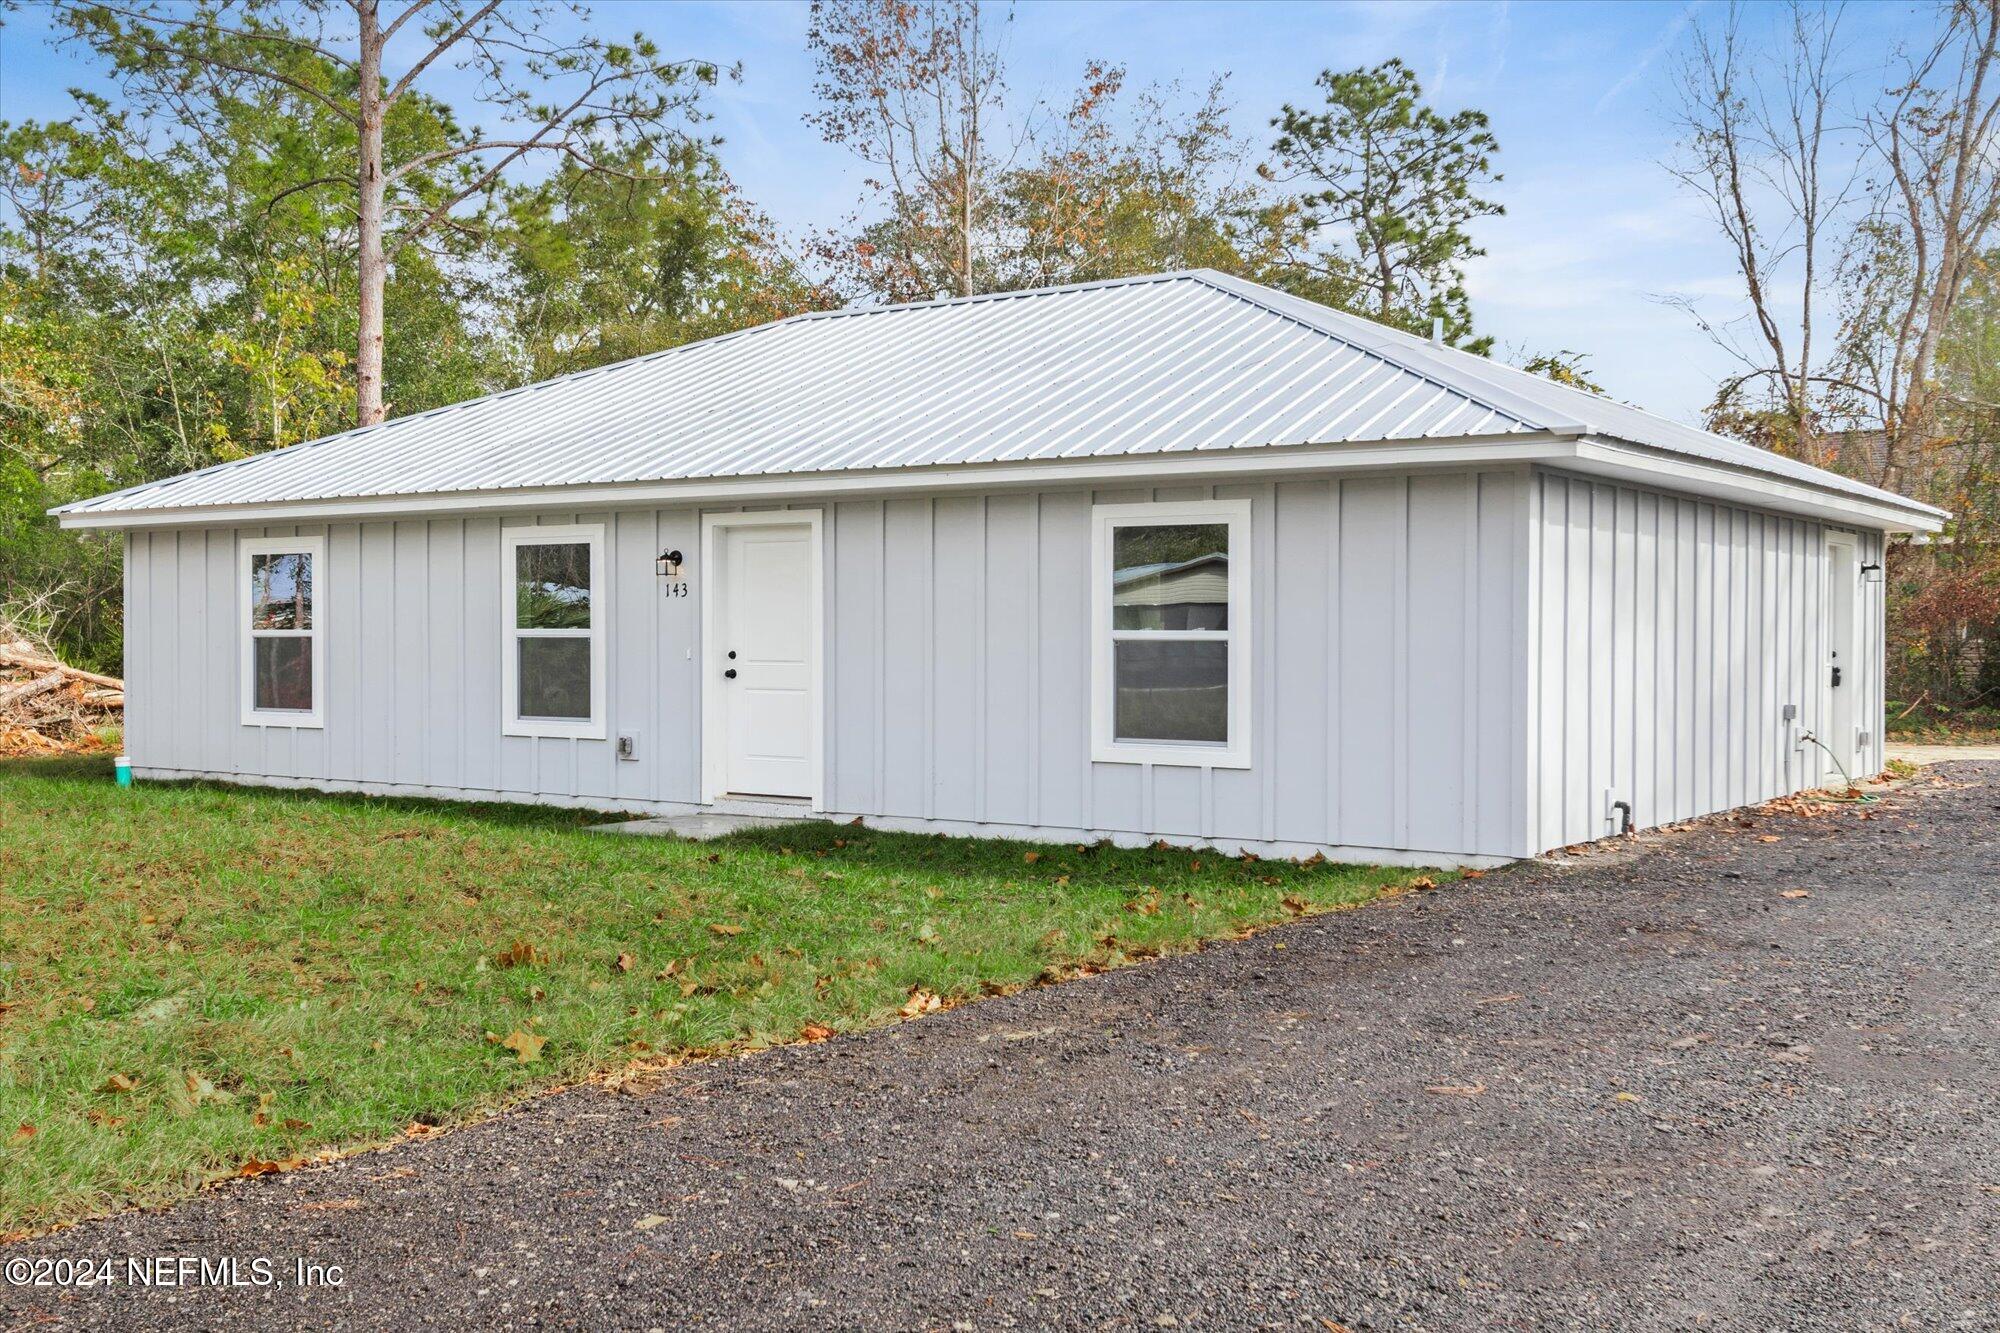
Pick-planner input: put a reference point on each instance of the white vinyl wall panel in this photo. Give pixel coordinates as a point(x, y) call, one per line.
point(1389, 692)
point(1373, 726)
point(1670, 634)
point(412, 615)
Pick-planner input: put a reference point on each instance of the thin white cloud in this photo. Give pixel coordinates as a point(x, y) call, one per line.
point(1496, 40)
point(1668, 36)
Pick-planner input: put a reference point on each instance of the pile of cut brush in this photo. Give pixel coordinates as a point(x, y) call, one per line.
point(49, 708)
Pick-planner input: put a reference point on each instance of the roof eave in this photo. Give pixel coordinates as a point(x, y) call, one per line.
point(1213, 465)
point(1588, 455)
point(1598, 455)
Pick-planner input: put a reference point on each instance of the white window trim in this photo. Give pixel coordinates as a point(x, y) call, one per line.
point(511, 722)
point(1105, 747)
point(315, 548)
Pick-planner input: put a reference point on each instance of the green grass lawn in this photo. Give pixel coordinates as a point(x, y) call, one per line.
point(197, 978)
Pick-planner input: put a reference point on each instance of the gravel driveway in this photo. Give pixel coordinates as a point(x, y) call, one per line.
point(1640, 1090)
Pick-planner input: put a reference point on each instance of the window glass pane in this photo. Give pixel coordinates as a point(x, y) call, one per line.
point(554, 678)
point(284, 669)
point(1174, 576)
point(552, 586)
point(281, 591)
point(1171, 691)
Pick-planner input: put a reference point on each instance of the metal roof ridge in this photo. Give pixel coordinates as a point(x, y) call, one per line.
point(1490, 375)
point(1522, 409)
point(1008, 294)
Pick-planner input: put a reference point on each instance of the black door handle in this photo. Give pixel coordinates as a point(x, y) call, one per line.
point(1836, 675)
point(729, 674)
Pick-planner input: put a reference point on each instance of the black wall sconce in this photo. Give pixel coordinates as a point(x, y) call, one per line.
point(1871, 573)
point(668, 564)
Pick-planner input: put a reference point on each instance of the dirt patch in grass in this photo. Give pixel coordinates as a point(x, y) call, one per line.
point(198, 980)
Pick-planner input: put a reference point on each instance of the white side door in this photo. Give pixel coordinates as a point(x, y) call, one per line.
point(1843, 657)
point(763, 660)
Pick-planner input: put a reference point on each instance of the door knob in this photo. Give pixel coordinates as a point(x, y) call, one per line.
point(729, 674)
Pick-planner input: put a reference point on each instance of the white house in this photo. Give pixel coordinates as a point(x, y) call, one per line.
point(1167, 557)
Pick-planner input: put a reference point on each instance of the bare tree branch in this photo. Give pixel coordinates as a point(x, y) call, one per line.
point(449, 40)
point(315, 183)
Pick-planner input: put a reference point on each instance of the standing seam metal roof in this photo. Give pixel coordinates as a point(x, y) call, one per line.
point(1160, 364)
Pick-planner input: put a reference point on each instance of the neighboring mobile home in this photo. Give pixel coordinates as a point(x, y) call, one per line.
point(1172, 557)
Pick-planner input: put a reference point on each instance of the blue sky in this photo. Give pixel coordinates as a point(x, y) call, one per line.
point(1595, 232)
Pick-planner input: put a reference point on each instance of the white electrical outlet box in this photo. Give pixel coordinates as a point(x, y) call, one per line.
point(628, 745)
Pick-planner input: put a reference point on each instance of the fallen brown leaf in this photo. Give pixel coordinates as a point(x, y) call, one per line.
point(23, 1134)
point(921, 1001)
point(1796, 893)
point(1031, 857)
point(623, 962)
point(1457, 1089)
point(725, 928)
point(521, 953)
point(121, 1083)
point(526, 1046)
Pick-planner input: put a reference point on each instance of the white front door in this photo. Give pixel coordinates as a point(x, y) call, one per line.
point(762, 659)
point(1843, 660)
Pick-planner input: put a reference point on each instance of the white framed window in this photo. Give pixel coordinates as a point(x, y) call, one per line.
point(552, 598)
point(1170, 633)
point(283, 624)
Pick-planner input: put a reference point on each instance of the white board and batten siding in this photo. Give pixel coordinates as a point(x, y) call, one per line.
point(1670, 635)
point(1471, 623)
point(1388, 700)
